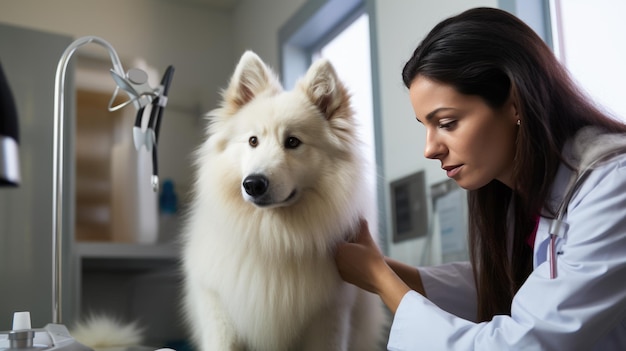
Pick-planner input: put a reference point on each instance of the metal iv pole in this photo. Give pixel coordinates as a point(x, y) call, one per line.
point(134, 83)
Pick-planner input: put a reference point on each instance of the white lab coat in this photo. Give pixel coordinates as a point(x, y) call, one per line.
point(584, 308)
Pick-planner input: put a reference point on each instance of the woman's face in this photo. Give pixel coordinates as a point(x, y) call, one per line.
point(474, 142)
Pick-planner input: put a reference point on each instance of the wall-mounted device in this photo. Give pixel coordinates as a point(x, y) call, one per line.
point(409, 209)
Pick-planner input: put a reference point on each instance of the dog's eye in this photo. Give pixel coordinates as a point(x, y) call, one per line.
point(292, 143)
point(253, 141)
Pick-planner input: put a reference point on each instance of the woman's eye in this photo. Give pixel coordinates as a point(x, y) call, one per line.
point(292, 142)
point(447, 124)
point(253, 141)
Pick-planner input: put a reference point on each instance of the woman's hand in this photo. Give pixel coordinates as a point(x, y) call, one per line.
point(361, 263)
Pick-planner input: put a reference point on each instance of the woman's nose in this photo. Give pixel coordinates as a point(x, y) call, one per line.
point(434, 149)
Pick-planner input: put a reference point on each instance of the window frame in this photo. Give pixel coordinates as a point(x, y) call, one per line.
point(310, 28)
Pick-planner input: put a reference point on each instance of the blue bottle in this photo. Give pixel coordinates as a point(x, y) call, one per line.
point(168, 212)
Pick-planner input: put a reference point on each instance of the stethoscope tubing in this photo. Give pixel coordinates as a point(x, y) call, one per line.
point(156, 115)
point(153, 128)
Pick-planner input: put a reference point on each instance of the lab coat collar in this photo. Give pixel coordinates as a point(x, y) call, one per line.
point(589, 144)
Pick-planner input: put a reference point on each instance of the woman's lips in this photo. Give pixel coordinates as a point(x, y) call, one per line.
point(452, 171)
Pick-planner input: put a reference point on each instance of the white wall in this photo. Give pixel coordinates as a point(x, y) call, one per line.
point(256, 24)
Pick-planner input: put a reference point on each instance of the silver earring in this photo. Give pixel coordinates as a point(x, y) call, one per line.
point(519, 122)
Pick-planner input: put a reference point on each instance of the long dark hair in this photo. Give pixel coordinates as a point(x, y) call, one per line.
point(492, 54)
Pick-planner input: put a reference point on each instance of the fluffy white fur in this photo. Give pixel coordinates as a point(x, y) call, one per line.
point(105, 332)
point(259, 270)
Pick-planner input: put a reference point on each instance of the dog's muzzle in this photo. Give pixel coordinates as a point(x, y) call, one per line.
point(257, 188)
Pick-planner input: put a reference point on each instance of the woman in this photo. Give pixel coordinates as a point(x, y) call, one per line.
point(507, 124)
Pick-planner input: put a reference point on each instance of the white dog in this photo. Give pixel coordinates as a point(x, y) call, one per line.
point(280, 181)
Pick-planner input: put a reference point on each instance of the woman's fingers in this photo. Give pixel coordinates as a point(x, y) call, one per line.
point(364, 237)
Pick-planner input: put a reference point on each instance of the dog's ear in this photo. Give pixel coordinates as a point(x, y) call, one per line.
point(252, 77)
point(325, 90)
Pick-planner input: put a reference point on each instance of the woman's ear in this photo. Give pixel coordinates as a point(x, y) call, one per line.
point(515, 111)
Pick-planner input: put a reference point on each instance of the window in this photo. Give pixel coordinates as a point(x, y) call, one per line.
point(589, 40)
point(338, 30)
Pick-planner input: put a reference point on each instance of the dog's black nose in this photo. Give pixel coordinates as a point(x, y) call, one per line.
point(255, 185)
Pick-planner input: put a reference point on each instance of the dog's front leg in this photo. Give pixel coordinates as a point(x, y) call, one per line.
point(211, 327)
point(330, 327)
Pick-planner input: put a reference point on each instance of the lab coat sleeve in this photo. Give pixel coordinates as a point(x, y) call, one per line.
point(444, 284)
point(572, 312)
